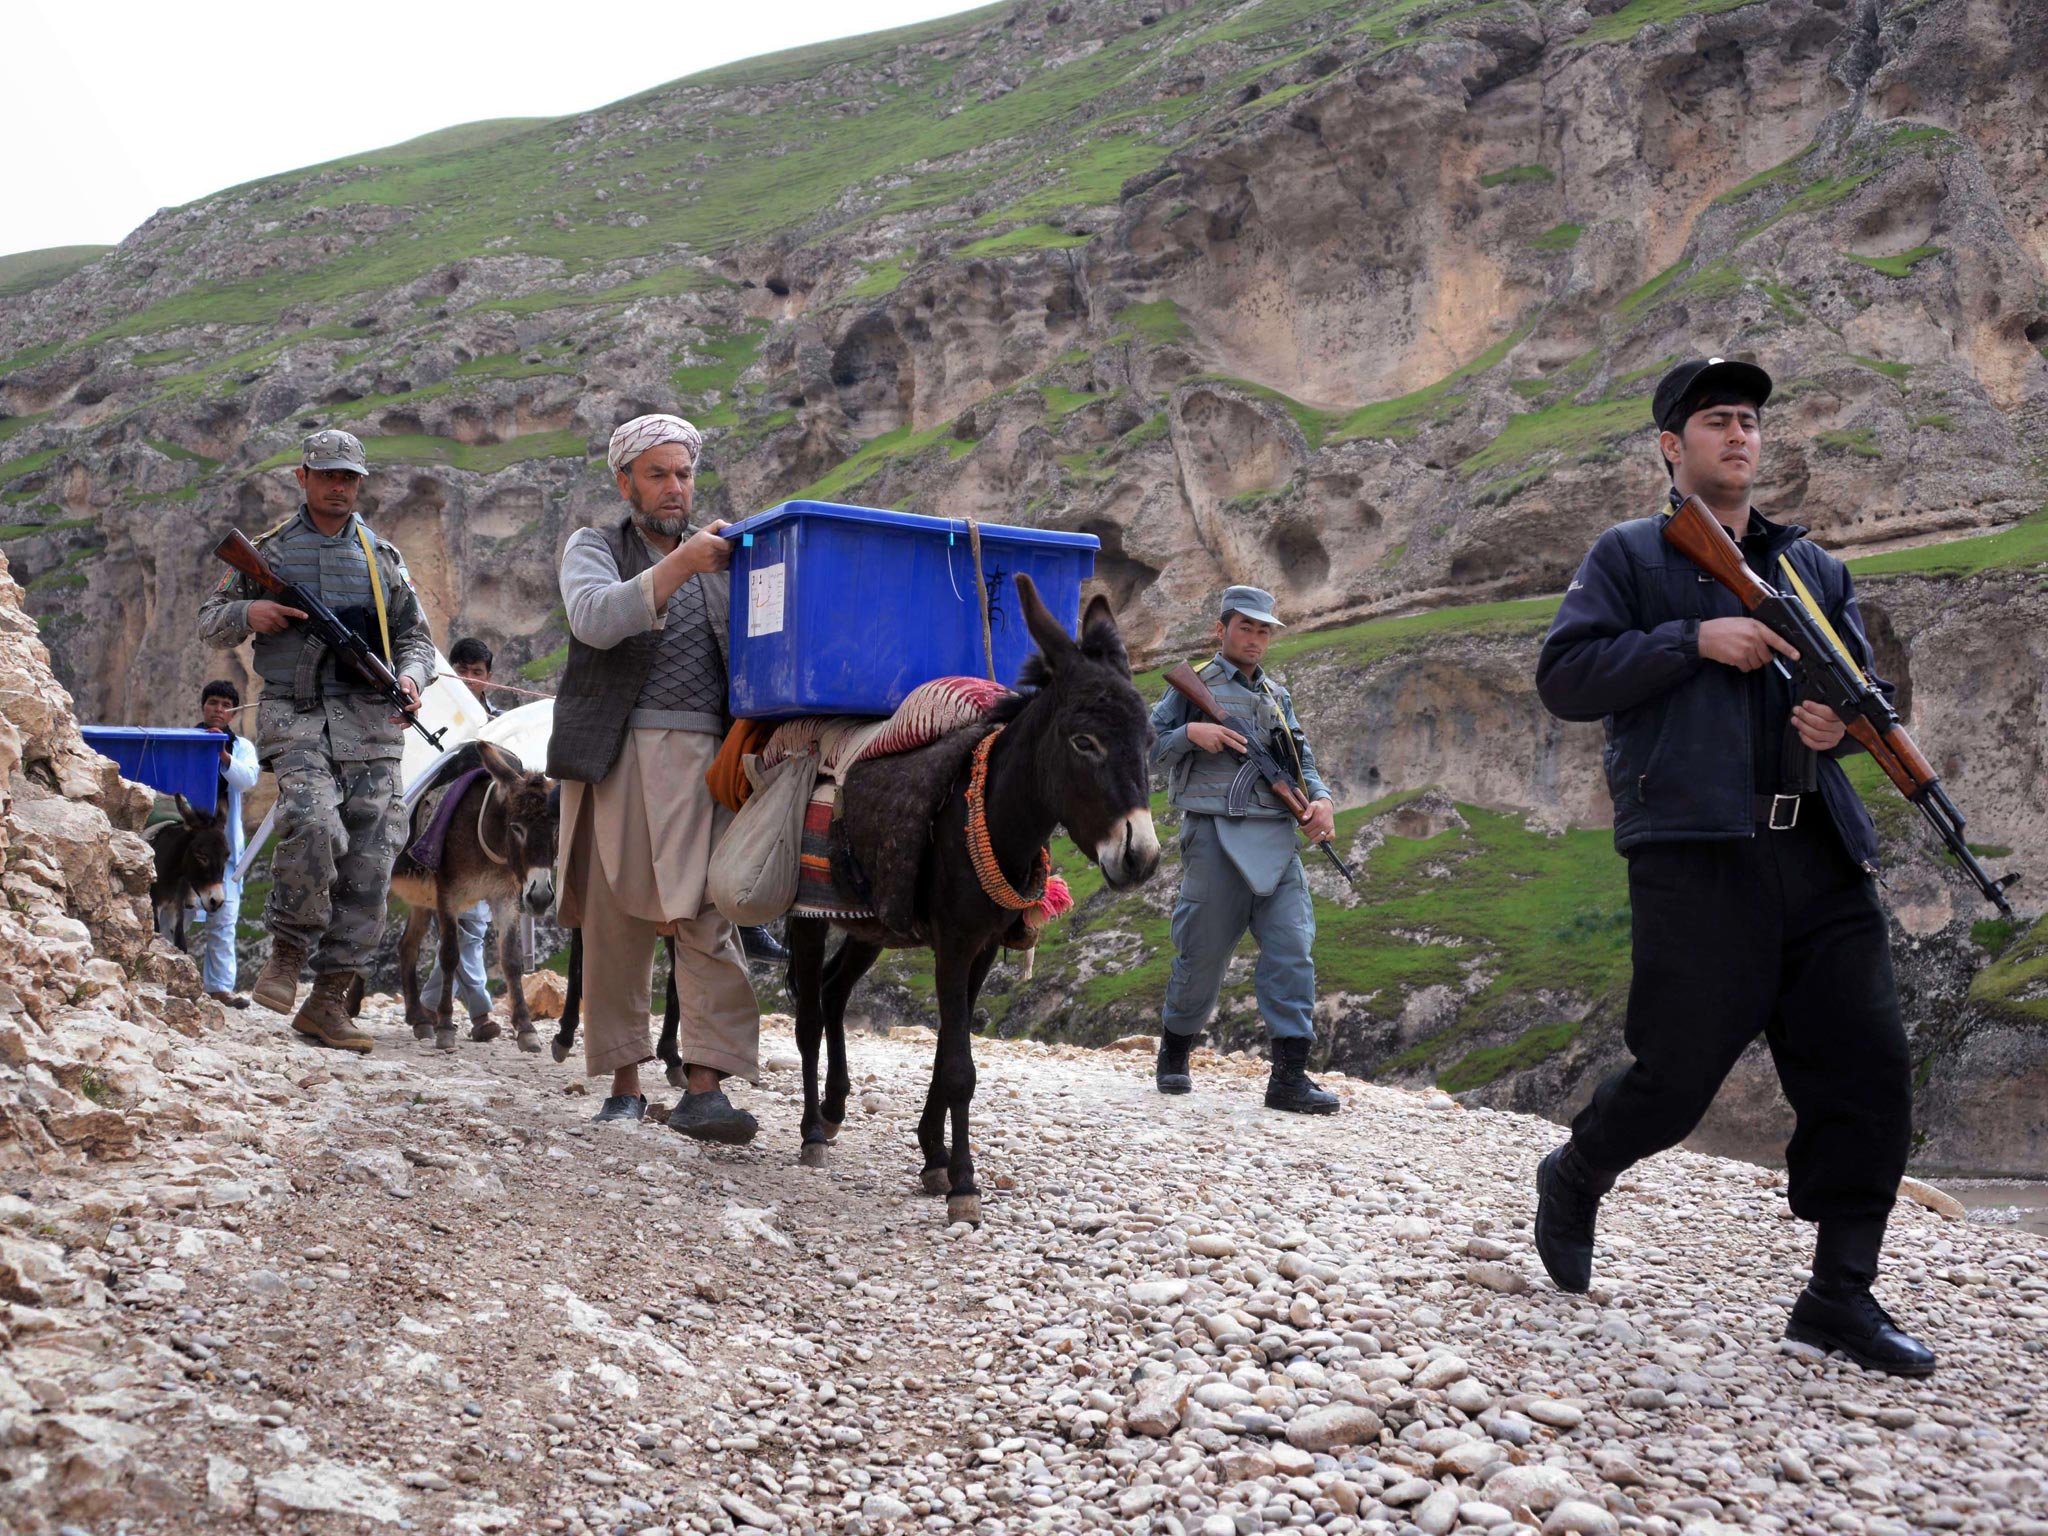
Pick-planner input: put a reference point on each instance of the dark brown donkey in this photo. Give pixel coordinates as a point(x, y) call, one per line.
point(499, 846)
point(1071, 750)
point(191, 863)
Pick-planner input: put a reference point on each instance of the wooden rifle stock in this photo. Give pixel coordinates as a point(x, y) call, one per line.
point(238, 552)
point(1699, 536)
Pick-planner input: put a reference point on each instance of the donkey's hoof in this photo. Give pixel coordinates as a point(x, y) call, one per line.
point(830, 1128)
point(422, 1029)
point(813, 1154)
point(965, 1208)
point(677, 1076)
point(444, 1039)
point(530, 1041)
point(937, 1181)
point(558, 1050)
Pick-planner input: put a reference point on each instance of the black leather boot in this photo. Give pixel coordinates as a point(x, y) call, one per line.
point(1290, 1087)
point(1568, 1192)
point(1170, 1073)
point(762, 947)
point(1837, 1312)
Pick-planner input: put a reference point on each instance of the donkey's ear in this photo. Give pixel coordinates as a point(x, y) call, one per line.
point(1054, 643)
point(504, 766)
point(1100, 638)
point(185, 811)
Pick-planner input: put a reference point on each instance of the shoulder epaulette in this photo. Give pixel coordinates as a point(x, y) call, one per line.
point(1212, 663)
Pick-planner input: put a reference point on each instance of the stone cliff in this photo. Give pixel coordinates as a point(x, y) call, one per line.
point(1360, 301)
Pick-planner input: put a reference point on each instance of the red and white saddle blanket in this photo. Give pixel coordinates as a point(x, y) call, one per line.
point(931, 711)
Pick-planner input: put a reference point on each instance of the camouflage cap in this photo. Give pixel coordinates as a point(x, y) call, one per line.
point(334, 449)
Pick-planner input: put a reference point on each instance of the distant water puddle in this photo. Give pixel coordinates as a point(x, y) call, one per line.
point(2003, 1202)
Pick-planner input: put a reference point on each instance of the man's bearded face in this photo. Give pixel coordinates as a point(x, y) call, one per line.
point(661, 486)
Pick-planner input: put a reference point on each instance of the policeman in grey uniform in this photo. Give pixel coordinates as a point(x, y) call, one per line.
point(1239, 862)
point(331, 739)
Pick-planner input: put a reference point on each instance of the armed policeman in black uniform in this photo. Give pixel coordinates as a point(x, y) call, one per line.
point(1750, 868)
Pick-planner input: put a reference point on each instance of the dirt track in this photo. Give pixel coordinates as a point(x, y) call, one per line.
point(442, 1300)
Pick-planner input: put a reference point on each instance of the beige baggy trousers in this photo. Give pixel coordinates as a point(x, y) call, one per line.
point(632, 861)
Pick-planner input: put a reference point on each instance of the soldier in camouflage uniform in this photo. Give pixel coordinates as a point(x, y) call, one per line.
point(330, 738)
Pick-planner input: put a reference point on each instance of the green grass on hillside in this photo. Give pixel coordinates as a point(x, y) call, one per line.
point(1901, 265)
point(1859, 442)
point(1486, 896)
point(1031, 237)
point(727, 357)
point(896, 446)
point(1518, 175)
point(1158, 322)
point(479, 458)
point(26, 271)
point(1561, 430)
point(1372, 640)
point(1622, 25)
point(1559, 237)
point(765, 148)
point(2015, 984)
point(2022, 545)
point(881, 278)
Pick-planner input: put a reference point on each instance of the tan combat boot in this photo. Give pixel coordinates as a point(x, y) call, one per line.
point(325, 1016)
point(278, 987)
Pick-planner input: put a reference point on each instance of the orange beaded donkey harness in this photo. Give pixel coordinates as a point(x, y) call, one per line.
point(982, 854)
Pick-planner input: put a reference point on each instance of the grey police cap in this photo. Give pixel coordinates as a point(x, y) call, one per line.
point(1252, 603)
point(334, 449)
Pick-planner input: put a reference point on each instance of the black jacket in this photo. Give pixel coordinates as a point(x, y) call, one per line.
point(1624, 648)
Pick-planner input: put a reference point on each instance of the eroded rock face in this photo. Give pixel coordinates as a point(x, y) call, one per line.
point(1372, 333)
point(88, 1001)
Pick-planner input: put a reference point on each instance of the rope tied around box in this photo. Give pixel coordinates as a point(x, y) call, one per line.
point(988, 642)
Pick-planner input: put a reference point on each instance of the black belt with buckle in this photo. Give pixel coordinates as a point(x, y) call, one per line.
point(1776, 813)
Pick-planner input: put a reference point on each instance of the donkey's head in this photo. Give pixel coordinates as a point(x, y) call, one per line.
point(203, 861)
point(526, 812)
point(1095, 740)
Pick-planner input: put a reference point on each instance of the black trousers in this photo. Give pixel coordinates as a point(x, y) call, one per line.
point(1780, 935)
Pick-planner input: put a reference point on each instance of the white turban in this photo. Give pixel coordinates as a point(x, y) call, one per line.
point(645, 432)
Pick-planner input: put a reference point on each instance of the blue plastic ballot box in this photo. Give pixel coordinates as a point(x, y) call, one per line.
point(181, 761)
point(844, 610)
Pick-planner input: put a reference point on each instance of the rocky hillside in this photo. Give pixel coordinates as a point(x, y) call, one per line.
point(1360, 301)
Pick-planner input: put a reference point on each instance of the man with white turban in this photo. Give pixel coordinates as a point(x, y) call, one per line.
point(639, 717)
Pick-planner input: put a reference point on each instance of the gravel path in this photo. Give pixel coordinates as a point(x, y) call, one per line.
point(436, 1298)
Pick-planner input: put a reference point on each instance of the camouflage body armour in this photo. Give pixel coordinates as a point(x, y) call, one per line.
point(330, 740)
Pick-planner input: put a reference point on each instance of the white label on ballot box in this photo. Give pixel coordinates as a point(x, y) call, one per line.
point(764, 601)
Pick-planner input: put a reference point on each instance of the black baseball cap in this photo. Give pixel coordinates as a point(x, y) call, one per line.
point(1700, 375)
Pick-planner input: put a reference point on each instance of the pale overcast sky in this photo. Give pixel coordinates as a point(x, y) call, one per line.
point(114, 110)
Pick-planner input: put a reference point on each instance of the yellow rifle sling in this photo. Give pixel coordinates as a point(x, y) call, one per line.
point(1806, 601)
point(377, 589)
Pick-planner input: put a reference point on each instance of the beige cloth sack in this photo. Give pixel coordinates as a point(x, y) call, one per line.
point(753, 873)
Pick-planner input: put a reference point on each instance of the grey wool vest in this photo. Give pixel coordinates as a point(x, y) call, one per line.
point(595, 706)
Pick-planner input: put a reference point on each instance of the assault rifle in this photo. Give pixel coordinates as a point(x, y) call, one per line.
point(327, 626)
point(1257, 756)
point(1827, 673)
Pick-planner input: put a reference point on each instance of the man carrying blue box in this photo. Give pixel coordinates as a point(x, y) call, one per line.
point(638, 719)
point(1239, 858)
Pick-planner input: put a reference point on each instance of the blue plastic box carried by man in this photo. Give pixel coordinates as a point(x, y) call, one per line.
point(844, 610)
